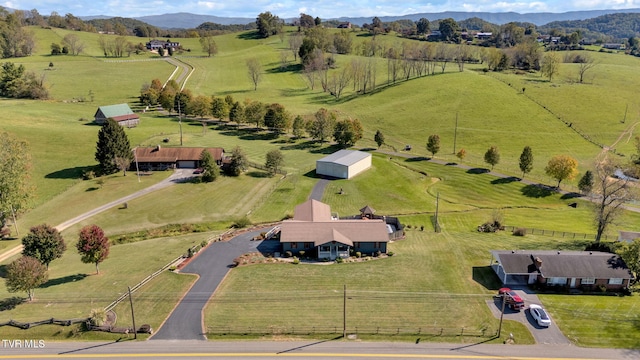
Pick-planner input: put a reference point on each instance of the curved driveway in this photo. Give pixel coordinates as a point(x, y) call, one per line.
point(211, 265)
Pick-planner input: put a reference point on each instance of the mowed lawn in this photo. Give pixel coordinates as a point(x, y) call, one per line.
point(74, 288)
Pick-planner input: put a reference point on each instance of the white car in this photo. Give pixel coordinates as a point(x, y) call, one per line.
point(539, 315)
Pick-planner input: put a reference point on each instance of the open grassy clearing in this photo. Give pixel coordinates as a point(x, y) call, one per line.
point(596, 321)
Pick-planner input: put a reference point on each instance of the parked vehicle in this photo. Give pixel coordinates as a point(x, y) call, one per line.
point(513, 300)
point(539, 315)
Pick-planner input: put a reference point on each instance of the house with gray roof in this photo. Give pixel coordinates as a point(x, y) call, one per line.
point(121, 113)
point(586, 270)
point(315, 230)
point(343, 164)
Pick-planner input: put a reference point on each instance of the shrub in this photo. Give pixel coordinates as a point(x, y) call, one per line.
point(189, 252)
point(421, 227)
point(288, 254)
point(358, 254)
point(295, 261)
point(377, 253)
point(390, 253)
point(520, 232)
point(339, 260)
point(98, 317)
point(173, 268)
point(242, 222)
point(88, 175)
point(204, 243)
point(602, 288)
point(5, 232)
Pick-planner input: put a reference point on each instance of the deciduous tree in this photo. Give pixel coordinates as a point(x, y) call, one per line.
point(492, 156)
point(585, 64)
point(254, 112)
point(93, 245)
point(347, 132)
point(274, 161)
point(236, 113)
point(26, 274)
point(433, 144)
point(562, 167)
point(630, 254)
point(526, 161)
point(15, 184)
point(43, 243)
point(112, 143)
point(254, 71)
point(238, 163)
point(268, 24)
point(208, 44)
point(298, 127)
point(277, 118)
point(610, 194)
point(461, 154)
point(550, 65)
point(322, 125)
point(73, 43)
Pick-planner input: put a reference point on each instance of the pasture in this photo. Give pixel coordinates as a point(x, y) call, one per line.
point(490, 108)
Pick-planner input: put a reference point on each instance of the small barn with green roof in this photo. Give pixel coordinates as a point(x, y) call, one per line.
point(121, 113)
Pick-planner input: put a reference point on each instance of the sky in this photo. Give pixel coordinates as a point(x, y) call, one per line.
point(322, 8)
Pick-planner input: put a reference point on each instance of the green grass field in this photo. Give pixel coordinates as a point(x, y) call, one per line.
point(419, 286)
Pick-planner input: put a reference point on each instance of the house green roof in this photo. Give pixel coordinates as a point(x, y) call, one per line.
point(113, 111)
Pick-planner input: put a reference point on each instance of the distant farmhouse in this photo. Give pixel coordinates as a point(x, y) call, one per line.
point(163, 158)
point(344, 25)
point(586, 270)
point(315, 230)
point(121, 113)
point(157, 44)
point(343, 164)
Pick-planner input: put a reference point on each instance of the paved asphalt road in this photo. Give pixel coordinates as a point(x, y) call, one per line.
point(308, 350)
point(211, 265)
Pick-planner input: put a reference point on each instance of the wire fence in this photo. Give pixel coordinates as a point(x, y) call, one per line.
point(339, 331)
point(557, 233)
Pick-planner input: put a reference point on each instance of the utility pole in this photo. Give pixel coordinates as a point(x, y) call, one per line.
point(455, 134)
point(437, 224)
point(180, 121)
point(501, 314)
point(135, 155)
point(133, 318)
point(344, 312)
point(15, 222)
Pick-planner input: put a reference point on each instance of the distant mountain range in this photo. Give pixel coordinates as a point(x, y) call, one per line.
point(188, 20)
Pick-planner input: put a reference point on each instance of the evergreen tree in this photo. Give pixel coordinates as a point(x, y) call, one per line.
point(112, 143)
point(209, 167)
point(526, 161)
point(379, 138)
point(586, 182)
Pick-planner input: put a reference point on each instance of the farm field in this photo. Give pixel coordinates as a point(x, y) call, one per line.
point(490, 108)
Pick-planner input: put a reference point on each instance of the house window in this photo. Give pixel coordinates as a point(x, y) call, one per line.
point(294, 245)
point(588, 281)
point(615, 281)
point(325, 248)
point(376, 245)
point(307, 245)
point(557, 281)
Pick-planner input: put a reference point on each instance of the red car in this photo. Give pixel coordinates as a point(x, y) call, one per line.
point(513, 300)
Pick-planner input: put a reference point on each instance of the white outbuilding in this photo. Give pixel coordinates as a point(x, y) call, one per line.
point(343, 164)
